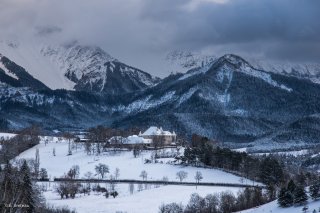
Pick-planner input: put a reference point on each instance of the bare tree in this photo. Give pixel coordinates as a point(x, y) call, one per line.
point(181, 175)
point(74, 172)
point(43, 174)
point(117, 173)
point(102, 169)
point(165, 179)
point(37, 163)
point(69, 137)
point(171, 208)
point(144, 175)
point(198, 177)
point(88, 147)
point(131, 188)
point(88, 175)
point(137, 150)
point(68, 189)
point(140, 187)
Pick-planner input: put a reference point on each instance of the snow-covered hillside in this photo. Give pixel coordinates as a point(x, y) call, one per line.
point(143, 199)
point(273, 207)
point(130, 167)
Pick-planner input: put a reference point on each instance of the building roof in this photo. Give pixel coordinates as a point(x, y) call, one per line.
point(133, 139)
point(153, 130)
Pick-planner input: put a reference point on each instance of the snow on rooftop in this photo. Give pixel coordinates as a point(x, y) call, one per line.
point(133, 139)
point(153, 130)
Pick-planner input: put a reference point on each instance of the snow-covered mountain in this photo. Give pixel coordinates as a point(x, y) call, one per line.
point(73, 66)
point(309, 71)
point(14, 75)
point(225, 98)
point(182, 61)
point(92, 69)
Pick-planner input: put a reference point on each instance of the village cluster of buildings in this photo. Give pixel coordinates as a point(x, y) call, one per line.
point(153, 136)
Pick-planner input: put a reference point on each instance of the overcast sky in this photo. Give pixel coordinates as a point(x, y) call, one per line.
point(141, 32)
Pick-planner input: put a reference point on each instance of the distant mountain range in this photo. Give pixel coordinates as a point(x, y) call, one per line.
point(226, 98)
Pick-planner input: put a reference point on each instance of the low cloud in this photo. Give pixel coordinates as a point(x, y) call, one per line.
point(140, 32)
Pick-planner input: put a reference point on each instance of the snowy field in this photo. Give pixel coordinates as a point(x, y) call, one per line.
point(274, 208)
point(146, 201)
point(130, 167)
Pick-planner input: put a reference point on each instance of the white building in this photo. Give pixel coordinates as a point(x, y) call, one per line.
point(159, 137)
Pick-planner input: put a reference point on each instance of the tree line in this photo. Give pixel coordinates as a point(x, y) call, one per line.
point(281, 183)
point(224, 202)
point(25, 139)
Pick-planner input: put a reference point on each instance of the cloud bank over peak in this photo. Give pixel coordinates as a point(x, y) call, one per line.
point(141, 32)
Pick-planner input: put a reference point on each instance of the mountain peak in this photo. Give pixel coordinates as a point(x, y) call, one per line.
point(234, 60)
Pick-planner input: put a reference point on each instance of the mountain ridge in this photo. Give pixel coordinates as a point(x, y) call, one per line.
point(227, 99)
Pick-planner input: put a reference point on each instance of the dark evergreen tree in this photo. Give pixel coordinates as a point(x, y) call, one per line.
point(271, 171)
point(291, 186)
point(27, 193)
point(314, 191)
point(301, 179)
point(285, 198)
point(300, 196)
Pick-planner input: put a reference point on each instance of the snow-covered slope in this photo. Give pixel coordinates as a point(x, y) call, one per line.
point(273, 207)
point(11, 74)
point(146, 200)
point(74, 66)
point(130, 167)
point(182, 61)
point(6, 70)
point(309, 71)
point(28, 54)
